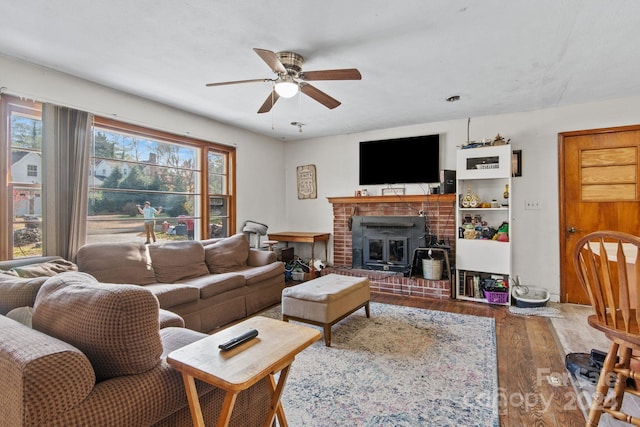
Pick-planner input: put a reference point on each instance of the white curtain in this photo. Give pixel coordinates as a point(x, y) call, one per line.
point(65, 188)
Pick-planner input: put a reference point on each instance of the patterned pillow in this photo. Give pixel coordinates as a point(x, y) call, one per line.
point(115, 326)
point(227, 255)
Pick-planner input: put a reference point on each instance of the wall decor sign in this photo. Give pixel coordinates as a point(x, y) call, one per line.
point(306, 176)
point(516, 163)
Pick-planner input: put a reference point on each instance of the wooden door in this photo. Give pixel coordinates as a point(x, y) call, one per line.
point(599, 190)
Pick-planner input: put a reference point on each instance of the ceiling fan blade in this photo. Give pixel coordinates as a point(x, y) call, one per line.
point(269, 102)
point(343, 74)
point(272, 60)
point(319, 96)
point(235, 82)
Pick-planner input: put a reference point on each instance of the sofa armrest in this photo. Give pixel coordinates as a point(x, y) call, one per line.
point(170, 319)
point(258, 257)
point(18, 291)
point(42, 376)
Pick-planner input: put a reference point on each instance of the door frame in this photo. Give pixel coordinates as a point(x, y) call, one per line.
point(568, 269)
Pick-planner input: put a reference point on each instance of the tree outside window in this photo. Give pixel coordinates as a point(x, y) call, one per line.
point(191, 179)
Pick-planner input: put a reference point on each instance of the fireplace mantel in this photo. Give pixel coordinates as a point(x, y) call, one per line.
point(410, 198)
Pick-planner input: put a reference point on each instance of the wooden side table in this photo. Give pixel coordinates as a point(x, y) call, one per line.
point(272, 351)
point(304, 237)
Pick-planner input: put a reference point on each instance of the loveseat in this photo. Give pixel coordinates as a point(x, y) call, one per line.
point(96, 356)
point(209, 283)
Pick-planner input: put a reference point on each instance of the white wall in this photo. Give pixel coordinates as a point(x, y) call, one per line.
point(269, 194)
point(535, 232)
point(254, 181)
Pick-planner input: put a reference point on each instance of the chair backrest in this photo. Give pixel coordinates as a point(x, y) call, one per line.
point(608, 268)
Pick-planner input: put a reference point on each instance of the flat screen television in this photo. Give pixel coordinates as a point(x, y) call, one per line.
point(408, 160)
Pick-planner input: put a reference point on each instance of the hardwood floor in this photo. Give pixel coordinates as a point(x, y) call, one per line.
point(528, 353)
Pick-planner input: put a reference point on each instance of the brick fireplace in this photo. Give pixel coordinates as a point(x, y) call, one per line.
point(440, 218)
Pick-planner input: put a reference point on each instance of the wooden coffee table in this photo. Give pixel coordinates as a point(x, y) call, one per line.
point(272, 351)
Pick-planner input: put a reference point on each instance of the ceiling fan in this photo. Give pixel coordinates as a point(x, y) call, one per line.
point(290, 78)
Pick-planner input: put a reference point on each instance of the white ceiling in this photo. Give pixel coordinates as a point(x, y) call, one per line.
point(499, 56)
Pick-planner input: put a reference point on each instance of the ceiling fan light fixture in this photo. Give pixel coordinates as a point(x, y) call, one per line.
point(286, 87)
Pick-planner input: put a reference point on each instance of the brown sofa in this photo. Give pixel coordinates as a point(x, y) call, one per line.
point(96, 356)
point(209, 283)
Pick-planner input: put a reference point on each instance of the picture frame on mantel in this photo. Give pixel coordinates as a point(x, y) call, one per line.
point(398, 191)
point(306, 178)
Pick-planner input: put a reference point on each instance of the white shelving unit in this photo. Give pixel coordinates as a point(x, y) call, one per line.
point(485, 172)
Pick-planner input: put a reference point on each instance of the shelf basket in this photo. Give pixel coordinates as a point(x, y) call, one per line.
point(496, 297)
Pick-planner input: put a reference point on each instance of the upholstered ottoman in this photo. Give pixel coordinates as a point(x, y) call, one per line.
point(325, 301)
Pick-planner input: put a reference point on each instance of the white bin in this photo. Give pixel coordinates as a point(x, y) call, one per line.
point(432, 268)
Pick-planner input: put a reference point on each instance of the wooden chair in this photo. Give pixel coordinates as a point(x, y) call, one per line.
point(608, 267)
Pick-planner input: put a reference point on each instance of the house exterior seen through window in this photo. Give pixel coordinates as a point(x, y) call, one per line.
point(192, 180)
point(21, 190)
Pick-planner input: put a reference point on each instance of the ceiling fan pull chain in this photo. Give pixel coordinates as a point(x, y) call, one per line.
point(273, 91)
point(300, 112)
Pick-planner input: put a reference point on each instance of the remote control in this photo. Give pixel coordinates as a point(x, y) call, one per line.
point(233, 342)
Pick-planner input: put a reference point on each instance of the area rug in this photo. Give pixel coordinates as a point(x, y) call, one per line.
point(402, 367)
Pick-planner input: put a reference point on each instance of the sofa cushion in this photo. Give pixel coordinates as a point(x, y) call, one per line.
point(49, 268)
point(116, 263)
point(169, 319)
point(174, 338)
point(170, 295)
point(18, 291)
point(216, 284)
point(255, 275)
point(228, 254)
point(175, 261)
point(115, 326)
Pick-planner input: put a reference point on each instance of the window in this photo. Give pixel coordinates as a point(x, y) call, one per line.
point(193, 181)
point(131, 165)
point(219, 167)
point(21, 188)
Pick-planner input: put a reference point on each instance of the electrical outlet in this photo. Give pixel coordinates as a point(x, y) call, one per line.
point(532, 204)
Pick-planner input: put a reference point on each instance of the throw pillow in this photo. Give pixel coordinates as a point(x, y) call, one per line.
point(176, 261)
point(9, 272)
point(49, 268)
point(22, 315)
point(115, 325)
point(228, 254)
point(116, 263)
